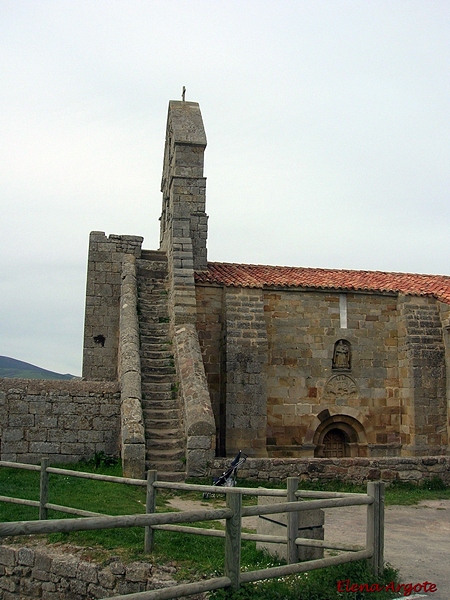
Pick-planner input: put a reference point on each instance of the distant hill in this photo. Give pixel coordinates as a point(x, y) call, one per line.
point(10, 367)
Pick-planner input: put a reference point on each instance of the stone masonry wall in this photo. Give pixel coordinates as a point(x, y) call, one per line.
point(101, 327)
point(303, 328)
point(352, 470)
point(245, 371)
point(423, 376)
point(444, 310)
point(30, 572)
point(390, 399)
point(210, 334)
point(64, 420)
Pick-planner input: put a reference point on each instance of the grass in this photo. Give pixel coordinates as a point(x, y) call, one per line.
point(316, 585)
point(188, 552)
point(400, 493)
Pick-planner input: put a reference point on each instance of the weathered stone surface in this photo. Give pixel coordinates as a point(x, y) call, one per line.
point(64, 577)
point(67, 419)
point(138, 572)
point(310, 525)
point(355, 470)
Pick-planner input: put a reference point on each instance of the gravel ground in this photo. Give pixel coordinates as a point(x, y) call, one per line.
point(417, 538)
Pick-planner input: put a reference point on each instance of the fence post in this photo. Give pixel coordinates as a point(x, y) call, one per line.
point(375, 525)
point(150, 507)
point(43, 491)
point(233, 540)
point(292, 522)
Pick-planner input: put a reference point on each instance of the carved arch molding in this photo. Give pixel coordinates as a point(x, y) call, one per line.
point(339, 436)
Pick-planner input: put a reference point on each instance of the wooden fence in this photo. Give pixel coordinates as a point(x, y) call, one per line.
point(232, 513)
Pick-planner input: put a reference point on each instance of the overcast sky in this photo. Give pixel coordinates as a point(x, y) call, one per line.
point(328, 126)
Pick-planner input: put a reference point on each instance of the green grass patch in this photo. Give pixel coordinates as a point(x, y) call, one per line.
point(396, 493)
point(316, 585)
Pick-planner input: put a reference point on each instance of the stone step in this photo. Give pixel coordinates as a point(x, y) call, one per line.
point(164, 444)
point(157, 367)
point(154, 339)
point(152, 323)
point(161, 404)
point(158, 374)
point(166, 433)
point(162, 423)
point(154, 414)
point(155, 327)
point(157, 362)
point(161, 387)
point(165, 455)
point(159, 356)
point(152, 302)
point(154, 398)
point(165, 465)
point(160, 380)
point(161, 407)
point(148, 299)
point(157, 347)
point(151, 386)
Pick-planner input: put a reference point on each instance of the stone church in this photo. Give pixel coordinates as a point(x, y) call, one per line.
point(297, 362)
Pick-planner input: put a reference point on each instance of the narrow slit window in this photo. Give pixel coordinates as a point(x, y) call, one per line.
point(343, 310)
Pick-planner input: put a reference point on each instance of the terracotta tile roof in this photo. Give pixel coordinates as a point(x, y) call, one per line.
point(232, 274)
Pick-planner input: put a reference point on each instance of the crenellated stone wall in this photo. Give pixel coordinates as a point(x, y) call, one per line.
point(64, 420)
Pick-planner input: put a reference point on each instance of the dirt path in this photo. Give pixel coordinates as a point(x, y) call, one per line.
point(417, 538)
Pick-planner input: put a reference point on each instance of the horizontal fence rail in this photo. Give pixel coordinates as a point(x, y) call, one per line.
point(296, 501)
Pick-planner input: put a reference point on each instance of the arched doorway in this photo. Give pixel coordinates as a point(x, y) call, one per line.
point(339, 436)
point(334, 444)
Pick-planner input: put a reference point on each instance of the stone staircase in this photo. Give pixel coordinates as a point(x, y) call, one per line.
point(165, 444)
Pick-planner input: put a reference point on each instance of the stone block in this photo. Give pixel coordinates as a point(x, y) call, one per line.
point(138, 572)
point(310, 526)
point(65, 567)
point(7, 556)
point(106, 578)
point(133, 460)
point(26, 556)
point(202, 442)
point(30, 589)
point(87, 572)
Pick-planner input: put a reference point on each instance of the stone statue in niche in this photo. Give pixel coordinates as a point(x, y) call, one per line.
point(342, 355)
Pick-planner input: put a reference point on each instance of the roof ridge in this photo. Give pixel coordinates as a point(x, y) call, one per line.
point(327, 269)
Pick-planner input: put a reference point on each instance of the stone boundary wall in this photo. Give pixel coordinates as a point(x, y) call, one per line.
point(64, 420)
point(352, 470)
point(35, 573)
